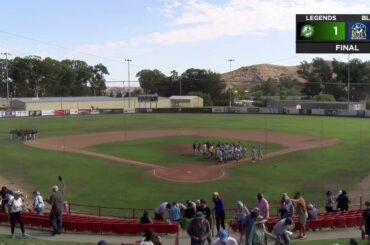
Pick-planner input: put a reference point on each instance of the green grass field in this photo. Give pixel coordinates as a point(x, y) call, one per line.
point(160, 150)
point(97, 181)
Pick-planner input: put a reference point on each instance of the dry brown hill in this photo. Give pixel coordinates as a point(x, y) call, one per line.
point(249, 76)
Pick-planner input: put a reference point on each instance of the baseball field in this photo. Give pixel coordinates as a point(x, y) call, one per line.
point(141, 160)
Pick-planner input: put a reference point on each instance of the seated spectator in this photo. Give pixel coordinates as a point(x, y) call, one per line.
point(150, 238)
point(145, 218)
point(161, 210)
point(312, 212)
point(189, 211)
point(38, 203)
point(224, 239)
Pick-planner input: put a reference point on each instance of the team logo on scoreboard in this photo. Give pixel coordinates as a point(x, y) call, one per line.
point(358, 31)
point(307, 31)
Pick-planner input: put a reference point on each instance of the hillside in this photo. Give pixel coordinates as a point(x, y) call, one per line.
point(249, 76)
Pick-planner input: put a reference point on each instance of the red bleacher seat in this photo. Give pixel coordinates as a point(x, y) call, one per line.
point(340, 222)
point(327, 223)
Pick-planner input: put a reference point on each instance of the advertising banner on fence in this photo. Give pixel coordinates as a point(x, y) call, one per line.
point(34, 113)
point(111, 111)
point(367, 113)
point(47, 113)
point(73, 112)
point(83, 112)
point(347, 113)
point(59, 112)
point(318, 112)
point(21, 113)
point(94, 111)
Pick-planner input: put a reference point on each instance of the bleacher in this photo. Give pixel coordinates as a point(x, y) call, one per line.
point(351, 218)
point(94, 224)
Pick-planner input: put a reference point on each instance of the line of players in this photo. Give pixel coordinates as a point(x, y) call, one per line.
point(23, 134)
point(225, 152)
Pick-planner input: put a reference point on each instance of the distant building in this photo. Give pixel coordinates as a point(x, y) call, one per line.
point(309, 104)
point(101, 102)
point(186, 101)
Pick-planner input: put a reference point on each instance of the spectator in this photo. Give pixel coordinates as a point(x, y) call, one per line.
point(5, 195)
point(150, 238)
point(57, 204)
point(224, 239)
point(198, 229)
point(302, 214)
point(102, 242)
point(145, 218)
point(249, 222)
point(190, 210)
point(15, 206)
point(208, 215)
point(258, 234)
point(311, 212)
point(38, 203)
point(366, 215)
point(329, 202)
point(219, 211)
point(286, 207)
point(352, 241)
point(161, 210)
point(175, 213)
point(343, 201)
point(263, 206)
point(280, 231)
point(241, 213)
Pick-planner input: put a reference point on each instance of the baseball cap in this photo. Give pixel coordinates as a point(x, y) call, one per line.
point(223, 235)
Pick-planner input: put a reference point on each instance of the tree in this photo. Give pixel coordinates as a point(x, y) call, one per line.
point(97, 82)
point(317, 73)
point(151, 80)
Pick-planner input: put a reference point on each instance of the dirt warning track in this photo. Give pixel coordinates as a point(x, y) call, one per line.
point(188, 173)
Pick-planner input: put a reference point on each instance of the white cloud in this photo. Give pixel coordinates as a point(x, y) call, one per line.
point(198, 20)
point(148, 9)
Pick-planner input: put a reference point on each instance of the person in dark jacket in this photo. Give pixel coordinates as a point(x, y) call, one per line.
point(219, 211)
point(343, 201)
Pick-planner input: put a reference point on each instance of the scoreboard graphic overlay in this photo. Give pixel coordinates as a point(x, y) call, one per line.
point(332, 33)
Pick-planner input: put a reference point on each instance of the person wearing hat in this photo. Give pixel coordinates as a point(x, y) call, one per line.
point(224, 239)
point(208, 216)
point(366, 216)
point(258, 234)
point(56, 201)
point(198, 229)
point(38, 203)
point(219, 211)
point(15, 206)
point(280, 229)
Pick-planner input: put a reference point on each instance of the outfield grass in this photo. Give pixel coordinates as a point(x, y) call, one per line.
point(161, 150)
point(98, 181)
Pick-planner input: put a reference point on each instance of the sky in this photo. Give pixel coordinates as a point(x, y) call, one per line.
point(163, 34)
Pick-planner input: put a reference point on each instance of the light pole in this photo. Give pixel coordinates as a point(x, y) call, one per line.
point(128, 76)
point(230, 60)
point(349, 76)
point(7, 79)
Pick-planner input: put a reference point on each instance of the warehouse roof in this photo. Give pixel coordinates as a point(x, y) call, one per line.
point(73, 99)
point(186, 97)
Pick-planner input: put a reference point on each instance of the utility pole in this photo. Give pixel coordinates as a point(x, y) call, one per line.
point(128, 76)
point(7, 79)
point(230, 60)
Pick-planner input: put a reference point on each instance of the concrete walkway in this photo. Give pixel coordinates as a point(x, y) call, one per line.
point(167, 239)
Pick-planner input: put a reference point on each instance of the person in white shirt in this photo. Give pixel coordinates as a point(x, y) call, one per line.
point(224, 239)
point(15, 206)
point(38, 203)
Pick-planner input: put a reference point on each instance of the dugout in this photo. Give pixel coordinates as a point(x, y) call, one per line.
point(186, 101)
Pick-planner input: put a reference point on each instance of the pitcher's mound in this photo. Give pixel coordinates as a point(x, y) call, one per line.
point(190, 173)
